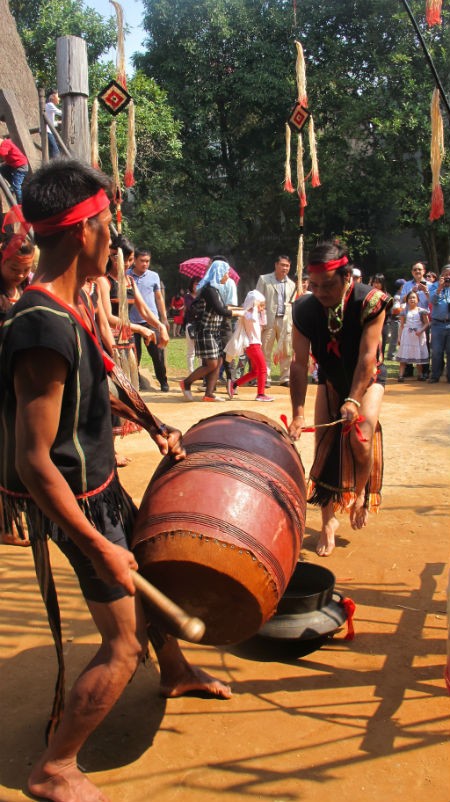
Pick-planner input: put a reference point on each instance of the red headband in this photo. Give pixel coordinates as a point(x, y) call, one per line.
point(16, 230)
point(81, 211)
point(12, 252)
point(325, 267)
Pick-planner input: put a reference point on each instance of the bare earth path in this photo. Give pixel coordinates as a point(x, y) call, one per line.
point(363, 719)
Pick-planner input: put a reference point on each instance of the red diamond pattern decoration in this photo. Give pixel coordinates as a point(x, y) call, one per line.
point(298, 117)
point(114, 98)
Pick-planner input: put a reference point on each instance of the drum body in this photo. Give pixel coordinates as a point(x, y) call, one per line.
point(220, 532)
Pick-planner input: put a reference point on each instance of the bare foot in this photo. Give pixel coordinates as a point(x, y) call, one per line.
point(13, 540)
point(326, 540)
point(63, 783)
point(122, 461)
point(359, 514)
point(195, 679)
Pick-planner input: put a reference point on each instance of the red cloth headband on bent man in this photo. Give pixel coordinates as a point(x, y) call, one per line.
point(325, 267)
point(81, 211)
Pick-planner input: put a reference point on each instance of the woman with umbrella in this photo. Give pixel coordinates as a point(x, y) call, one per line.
point(208, 345)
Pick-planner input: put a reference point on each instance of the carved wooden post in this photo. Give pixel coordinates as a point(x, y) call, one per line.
point(73, 87)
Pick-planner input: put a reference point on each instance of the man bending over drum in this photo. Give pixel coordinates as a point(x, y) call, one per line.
point(58, 465)
point(340, 322)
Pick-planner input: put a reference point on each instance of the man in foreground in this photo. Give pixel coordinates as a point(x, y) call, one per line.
point(58, 465)
point(341, 323)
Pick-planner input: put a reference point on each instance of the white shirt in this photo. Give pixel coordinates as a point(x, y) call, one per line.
point(51, 111)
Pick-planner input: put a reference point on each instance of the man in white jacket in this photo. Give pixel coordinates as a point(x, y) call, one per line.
point(279, 291)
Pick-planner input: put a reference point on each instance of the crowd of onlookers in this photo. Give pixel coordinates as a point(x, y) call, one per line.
point(416, 333)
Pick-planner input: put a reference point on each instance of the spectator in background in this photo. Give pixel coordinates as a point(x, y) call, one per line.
point(228, 293)
point(395, 318)
point(52, 111)
point(413, 350)
point(189, 296)
point(149, 285)
point(419, 284)
point(378, 281)
point(440, 326)
point(177, 309)
point(208, 343)
point(14, 166)
point(279, 291)
point(357, 275)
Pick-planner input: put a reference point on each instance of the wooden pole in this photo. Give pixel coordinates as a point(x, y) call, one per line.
point(43, 129)
point(73, 87)
point(61, 144)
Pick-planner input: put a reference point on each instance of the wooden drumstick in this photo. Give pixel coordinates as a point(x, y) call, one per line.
point(181, 624)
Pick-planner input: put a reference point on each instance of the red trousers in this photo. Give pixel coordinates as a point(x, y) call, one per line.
point(258, 368)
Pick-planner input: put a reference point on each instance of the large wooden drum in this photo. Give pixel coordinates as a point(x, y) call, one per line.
point(220, 532)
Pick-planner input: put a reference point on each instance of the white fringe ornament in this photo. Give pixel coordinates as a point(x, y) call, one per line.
point(287, 164)
point(300, 72)
point(131, 147)
point(437, 152)
point(95, 159)
point(120, 59)
point(114, 157)
point(315, 177)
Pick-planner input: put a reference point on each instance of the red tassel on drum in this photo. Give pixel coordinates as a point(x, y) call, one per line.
point(349, 607)
point(433, 12)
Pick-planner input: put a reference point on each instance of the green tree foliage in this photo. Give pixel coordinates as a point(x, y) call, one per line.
point(40, 22)
point(149, 217)
point(229, 70)
point(148, 210)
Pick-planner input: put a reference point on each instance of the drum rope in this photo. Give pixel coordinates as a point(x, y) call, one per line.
point(263, 477)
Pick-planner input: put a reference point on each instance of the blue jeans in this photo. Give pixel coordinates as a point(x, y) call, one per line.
point(15, 177)
point(440, 345)
point(53, 149)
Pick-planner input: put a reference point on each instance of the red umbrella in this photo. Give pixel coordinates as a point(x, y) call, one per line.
point(197, 266)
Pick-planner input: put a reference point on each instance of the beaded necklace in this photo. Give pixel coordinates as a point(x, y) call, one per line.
point(336, 317)
point(335, 321)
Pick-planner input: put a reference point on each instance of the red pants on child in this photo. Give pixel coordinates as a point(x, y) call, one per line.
point(258, 368)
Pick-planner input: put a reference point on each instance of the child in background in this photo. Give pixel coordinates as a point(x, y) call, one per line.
point(248, 337)
point(413, 350)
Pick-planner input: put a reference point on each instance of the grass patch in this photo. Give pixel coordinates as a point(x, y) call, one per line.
point(177, 367)
point(176, 360)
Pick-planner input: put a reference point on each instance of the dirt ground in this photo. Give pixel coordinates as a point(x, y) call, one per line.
point(362, 719)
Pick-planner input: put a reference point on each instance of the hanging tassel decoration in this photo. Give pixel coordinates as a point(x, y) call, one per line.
point(301, 188)
point(315, 177)
point(114, 157)
point(433, 12)
point(131, 147)
point(95, 159)
point(300, 72)
point(120, 58)
point(287, 165)
point(301, 191)
point(437, 153)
